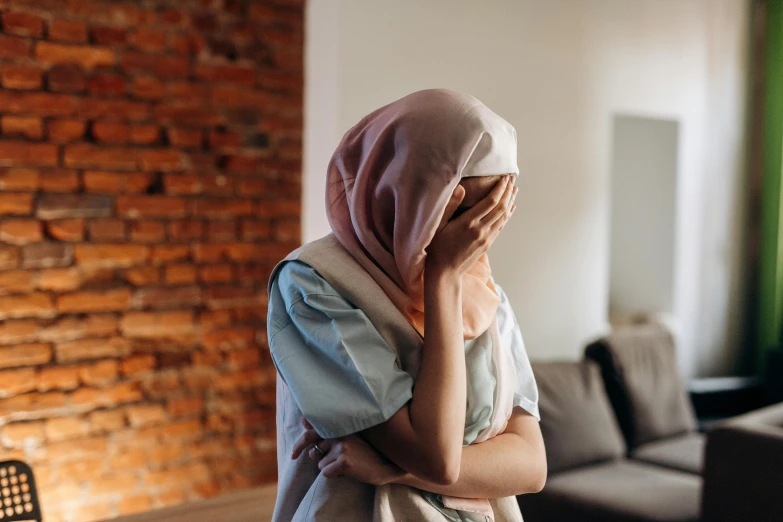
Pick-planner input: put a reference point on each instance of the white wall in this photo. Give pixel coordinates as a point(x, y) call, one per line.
point(559, 70)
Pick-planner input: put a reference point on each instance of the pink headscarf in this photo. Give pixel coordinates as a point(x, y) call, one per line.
point(389, 182)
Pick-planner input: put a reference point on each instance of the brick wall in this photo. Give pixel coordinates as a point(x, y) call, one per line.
point(149, 180)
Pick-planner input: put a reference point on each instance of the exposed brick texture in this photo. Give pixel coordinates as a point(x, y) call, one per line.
point(149, 180)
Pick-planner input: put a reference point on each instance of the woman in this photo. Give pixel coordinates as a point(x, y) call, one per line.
point(383, 331)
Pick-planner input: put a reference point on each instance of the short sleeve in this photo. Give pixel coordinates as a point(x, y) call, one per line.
point(526, 393)
point(342, 374)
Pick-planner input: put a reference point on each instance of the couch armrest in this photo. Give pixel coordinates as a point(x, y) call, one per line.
point(743, 468)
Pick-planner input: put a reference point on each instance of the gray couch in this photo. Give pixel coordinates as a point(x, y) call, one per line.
point(591, 477)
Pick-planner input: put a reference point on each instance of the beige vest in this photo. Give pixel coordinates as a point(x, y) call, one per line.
point(303, 493)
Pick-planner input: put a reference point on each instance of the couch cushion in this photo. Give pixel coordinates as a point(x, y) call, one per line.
point(685, 453)
point(577, 422)
point(619, 491)
point(639, 367)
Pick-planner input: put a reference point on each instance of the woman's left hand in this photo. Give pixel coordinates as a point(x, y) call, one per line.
point(349, 456)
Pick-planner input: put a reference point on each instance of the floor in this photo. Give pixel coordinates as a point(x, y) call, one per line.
point(250, 505)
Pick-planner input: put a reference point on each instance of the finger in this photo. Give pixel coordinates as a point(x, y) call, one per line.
point(328, 459)
point(502, 207)
point(456, 198)
point(333, 469)
point(307, 438)
point(498, 225)
point(306, 424)
point(487, 203)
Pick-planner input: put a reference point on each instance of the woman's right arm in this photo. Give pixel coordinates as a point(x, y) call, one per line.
point(424, 437)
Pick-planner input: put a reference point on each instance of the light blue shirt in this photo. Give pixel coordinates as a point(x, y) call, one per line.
point(345, 377)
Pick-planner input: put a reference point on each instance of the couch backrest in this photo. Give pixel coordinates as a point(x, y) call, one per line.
point(576, 418)
point(639, 367)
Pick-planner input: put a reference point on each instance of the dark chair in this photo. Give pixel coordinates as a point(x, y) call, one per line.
point(18, 494)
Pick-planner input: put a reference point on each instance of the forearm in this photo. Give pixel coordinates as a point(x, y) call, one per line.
point(437, 409)
point(503, 466)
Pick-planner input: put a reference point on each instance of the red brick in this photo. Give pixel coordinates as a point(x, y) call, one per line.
point(169, 253)
point(33, 405)
point(58, 378)
point(116, 485)
point(129, 459)
point(107, 230)
point(105, 182)
point(161, 160)
point(150, 206)
point(107, 85)
point(182, 183)
point(66, 229)
point(16, 282)
point(286, 231)
point(20, 231)
point(56, 206)
point(148, 87)
point(25, 355)
point(17, 153)
point(59, 279)
point(94, 108)
point(110, 132)
point(180, 274)
point(90, 156)
point(30, 305)
point(147, 232)
point(87, 57)
point(138, 364)
point(223, 140)
point(244, 379)
point(130, 504)
point(18, 179)
point(227, 73)
point(13, 332)
point(107, 421)
point(186, 114)
point(94, 301)
point(185, 138)
point(182, 230)
point(20, 77)
point(65, 131)
point(145, 415)
point(185, 296)
point(159, 65)
point(253, 230)
point(185, 406)
point(25, 126)
point(138, 182)
point(68, 31)
point(108, 36)
point(83, 349)
point(143, 275)
point(79, 449)
point(23, 434)
point(222, 207)
point(68, 328)
point(45, 255)
point(66, 78)
point(65, 428)
point(243, 358)
point(144, 134)
point(100, 373)
point(14, 48)
point(279, 209)
point(59, 180)
point(15, 203)
point(22, 24)
point(111, 255)
point(9, 257)
point(187, 91)
point(40, 103)
point(216, 273)
point(240, 251)
point(234, 96)
point(222, 230)
point(162, 324)
point(148, 40)
point(17, 381)
point(229, 339)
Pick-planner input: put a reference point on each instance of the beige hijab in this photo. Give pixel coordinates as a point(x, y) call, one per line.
point(389, 182)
